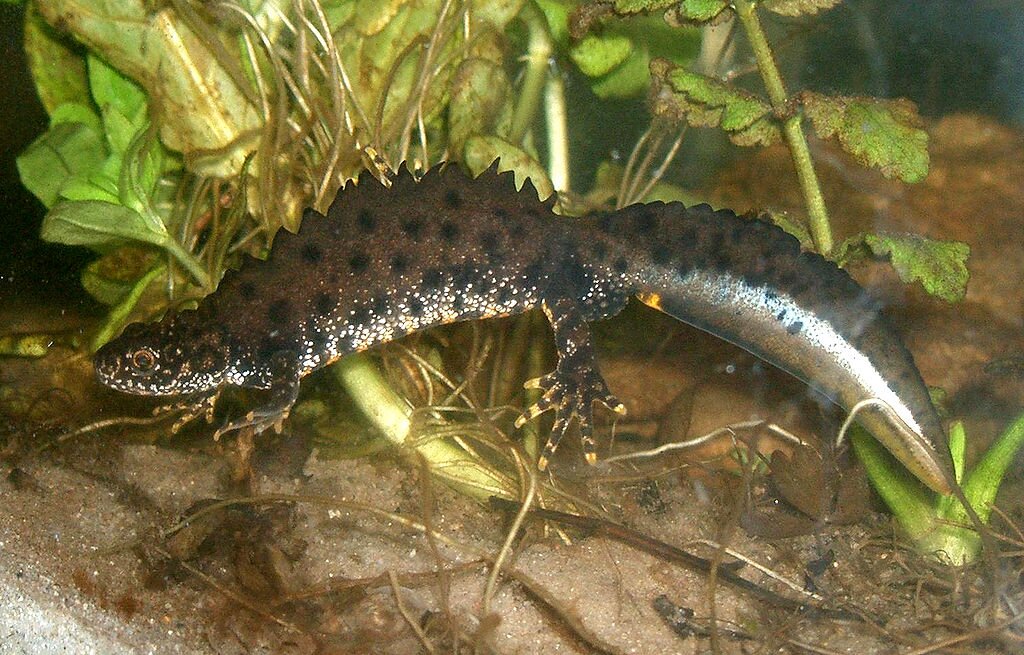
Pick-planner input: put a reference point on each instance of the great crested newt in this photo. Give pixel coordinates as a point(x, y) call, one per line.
point(385, 262)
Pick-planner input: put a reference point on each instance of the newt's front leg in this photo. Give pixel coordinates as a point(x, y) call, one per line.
point(575, 384)
point(284, 390)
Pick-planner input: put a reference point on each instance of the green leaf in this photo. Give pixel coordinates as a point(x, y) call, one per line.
point(983, 481)
point(793, 227)
point(497, 12)
point(118, 315)
point(608, 179)
point(940, 266)
point(629, 79)
point(481, 151)
point(98, 225)
point(599, 55)
point(556, 13)
point(881, 133)
point(480, 102)
point(798, 7)
point(110, 278)
point(57, 65)
point(116, 95)
point(638, 6)
point(701, 11)
point(67, 151)
point(104, 225)
point(74, 112)
point(702, 101)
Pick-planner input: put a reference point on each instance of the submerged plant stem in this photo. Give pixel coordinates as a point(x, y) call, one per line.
point(537, 56)
point(391, 415)
point(792, 128)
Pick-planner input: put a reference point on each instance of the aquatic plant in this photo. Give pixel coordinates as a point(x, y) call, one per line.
point(182, 137)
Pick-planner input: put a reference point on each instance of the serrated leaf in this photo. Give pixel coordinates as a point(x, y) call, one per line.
point(798, 7)
point(793, 227)
point(65, 152)
point(940, 266)
point(638, 6)
point(481, 151)
point(702, 101)
point(701, 11)
point(885, 134)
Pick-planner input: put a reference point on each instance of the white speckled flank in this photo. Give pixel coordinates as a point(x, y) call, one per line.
point(385, 262)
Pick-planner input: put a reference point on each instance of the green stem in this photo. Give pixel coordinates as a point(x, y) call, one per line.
point(391, 414)
point(792, 128)
point(538, 53)
point(190, 263)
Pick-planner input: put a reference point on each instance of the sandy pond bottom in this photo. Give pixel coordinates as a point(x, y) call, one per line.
point(322, 564)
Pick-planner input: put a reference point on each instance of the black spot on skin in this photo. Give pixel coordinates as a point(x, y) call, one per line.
point(577, 275)
point(458, 302)
point(621, 265)
point(684, 268)
point(247, 290)
point(312, 254)
point(279, 311)
point(516, 231)
point(604, 221)
point(599, 250)
point(533, 273)
point(318, 339)
point(269, 347)
point(794, 328)
point(324, 304)
point(799, 287)
point(781, 315)
point(413, 228)
point(661, 254)
point(463, 276)
point(501, 214)
point(399, 264)
point(415, 307)
point(449, 231)
point(646, 221)
point(359, 262)
point(504, 296)
point(380, 305)
point(432, 280)
point(360, 316)
point(452, 199)
point(366, 220)
point(489, 243)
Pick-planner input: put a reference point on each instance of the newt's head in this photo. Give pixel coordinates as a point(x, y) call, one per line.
point(174, 356)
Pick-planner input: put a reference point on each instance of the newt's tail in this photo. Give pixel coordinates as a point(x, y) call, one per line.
point(748, 282)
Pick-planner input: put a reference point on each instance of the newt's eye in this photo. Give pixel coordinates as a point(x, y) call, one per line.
point(143, 360)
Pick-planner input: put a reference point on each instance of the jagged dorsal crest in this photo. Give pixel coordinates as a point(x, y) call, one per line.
point(445, 187)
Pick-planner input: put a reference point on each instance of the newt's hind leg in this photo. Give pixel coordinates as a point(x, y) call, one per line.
point(575, 384)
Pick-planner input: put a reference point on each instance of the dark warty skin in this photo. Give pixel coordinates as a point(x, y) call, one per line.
point(387, 262)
